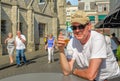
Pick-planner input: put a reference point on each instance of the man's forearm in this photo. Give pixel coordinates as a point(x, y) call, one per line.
point(85, 73)
point(64, 64)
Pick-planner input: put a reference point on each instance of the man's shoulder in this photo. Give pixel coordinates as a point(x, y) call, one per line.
point(95, 34)
point(22, 35)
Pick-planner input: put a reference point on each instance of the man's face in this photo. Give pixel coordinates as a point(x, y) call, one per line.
point(18, 33)
point(80, 31)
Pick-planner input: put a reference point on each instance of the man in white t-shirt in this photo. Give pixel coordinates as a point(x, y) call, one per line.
point(20, 48)
point(88, 48)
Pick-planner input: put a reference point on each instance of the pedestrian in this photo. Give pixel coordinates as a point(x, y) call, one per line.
point(111, 43)
point(113, 36)
point(50, 46)
point(45, 40)
point(20, 48)
point(69, 35)
point(10, 41)
point(114, 46)
point(88, 48)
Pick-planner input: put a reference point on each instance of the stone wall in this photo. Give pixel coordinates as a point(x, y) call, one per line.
point(6, 16)
point(30, 16)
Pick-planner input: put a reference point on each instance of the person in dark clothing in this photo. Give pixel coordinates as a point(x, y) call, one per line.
point(115, 39)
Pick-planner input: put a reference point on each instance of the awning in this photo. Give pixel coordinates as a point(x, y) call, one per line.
point(101, 17)
point(92, 18)
point(112, 20)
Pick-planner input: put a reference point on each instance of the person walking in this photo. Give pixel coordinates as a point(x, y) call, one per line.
point(50, 46)
point(88, 48)
point(45, 40)
point(113, 36)
point(114, 47)
point(20, 48)
point(10, 41)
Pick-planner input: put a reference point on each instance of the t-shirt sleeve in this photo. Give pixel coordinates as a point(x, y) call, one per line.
point(69, 51)
point(99, 49)
point(23, 37)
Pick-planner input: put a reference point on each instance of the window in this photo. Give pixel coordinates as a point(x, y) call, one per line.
point(73, 10)
point(100, 8)
point(68, 19)
point(41, 29)
point(41, 1)
point(21, 27)
point(105, 9)
point(87, 7)
point(3, 26)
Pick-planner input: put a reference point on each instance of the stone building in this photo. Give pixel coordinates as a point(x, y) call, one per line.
point(61, 8)
point(70, 9)
point(96, 9)
point(34, 18)
point(112, 20)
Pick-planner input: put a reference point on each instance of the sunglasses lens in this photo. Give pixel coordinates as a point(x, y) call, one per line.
point(78, 27)
point(73, 27)
point(81, 26)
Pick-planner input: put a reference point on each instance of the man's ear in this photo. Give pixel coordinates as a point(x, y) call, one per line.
point(89, 26)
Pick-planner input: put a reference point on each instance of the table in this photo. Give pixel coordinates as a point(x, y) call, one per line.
point(43, 77)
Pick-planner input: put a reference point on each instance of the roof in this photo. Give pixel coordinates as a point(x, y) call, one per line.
point(69, 3)
point(112, 20)
point(93, 5)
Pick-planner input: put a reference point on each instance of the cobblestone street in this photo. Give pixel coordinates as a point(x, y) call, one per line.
point(36, 65)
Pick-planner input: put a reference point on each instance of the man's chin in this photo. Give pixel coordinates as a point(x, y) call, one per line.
point(79, 38)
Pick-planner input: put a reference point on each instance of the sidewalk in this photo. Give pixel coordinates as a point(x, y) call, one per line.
point(4, 60)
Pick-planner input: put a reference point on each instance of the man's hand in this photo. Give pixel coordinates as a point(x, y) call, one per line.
point(75, 72)
point(61, 43)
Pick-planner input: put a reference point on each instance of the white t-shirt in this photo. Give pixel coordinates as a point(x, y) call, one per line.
point(94, 48)
point(19, 44)
point(111, 42)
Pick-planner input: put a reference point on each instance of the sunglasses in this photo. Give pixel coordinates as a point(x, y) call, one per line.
point(78, 27)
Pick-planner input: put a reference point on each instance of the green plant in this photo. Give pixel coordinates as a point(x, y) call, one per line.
point(118, 53)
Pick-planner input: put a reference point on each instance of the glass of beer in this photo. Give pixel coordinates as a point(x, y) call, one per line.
point(65, 35)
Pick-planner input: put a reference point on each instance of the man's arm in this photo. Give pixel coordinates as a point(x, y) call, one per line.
point(23, 39)
point(66, 65)
point(91, 72)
